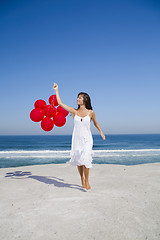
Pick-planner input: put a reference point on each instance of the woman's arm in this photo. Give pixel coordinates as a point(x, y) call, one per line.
point(67, 108)
point(93, 116)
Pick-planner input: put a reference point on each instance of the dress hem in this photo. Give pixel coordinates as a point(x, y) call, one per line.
point(79, 164)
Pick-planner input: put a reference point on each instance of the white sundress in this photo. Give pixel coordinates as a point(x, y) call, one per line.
point(82, 142)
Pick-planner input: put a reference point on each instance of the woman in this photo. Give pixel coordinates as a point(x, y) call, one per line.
point(82, 141)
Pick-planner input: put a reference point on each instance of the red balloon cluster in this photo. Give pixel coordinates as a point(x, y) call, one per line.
point(48, 115)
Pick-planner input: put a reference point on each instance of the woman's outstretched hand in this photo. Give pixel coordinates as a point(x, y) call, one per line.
point(102, 135)
point(55, 86)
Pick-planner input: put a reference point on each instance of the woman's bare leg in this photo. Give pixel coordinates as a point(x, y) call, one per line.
point(81, 172)
point(86, 174)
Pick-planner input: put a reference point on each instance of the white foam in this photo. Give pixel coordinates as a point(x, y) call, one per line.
point(66, 153)
point(34, 151)
point(128, 150)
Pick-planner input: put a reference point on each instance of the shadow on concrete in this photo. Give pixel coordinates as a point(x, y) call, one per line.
point(57, 182)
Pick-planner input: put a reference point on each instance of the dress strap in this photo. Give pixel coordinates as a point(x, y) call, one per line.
point(88, 113)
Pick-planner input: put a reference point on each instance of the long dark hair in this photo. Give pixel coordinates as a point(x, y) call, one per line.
point(86, 99)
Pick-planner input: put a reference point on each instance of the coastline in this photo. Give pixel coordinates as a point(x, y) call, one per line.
point(18, 151)
point(47, 202)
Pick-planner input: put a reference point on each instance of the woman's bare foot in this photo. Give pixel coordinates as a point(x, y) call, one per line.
point(88, 187)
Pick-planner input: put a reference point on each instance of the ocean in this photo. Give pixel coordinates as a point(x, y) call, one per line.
point(126, 149)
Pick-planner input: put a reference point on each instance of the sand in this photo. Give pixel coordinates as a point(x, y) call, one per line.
point(47, 202)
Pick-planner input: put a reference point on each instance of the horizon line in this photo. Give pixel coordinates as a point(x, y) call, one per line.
point(71, 134)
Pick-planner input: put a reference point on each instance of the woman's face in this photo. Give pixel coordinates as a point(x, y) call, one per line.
point(80, 100)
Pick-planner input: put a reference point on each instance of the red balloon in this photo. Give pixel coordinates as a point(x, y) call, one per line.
point(62, 110)
point(36, 115)
point(59, 119)
point(53, 100)
point(47, 124)
point(40, 104)
point(50, 110)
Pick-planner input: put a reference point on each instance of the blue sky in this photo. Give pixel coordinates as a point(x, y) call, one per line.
point(109, 49)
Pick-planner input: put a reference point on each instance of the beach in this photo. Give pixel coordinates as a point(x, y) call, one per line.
point(47, 202)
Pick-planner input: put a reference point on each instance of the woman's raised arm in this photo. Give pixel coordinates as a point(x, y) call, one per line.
point(67, 108)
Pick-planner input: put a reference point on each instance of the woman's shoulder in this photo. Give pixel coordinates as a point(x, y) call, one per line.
point(74, 113)
point(91, 113)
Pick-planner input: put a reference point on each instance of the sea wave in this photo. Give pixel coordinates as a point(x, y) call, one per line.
point(66, 153)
